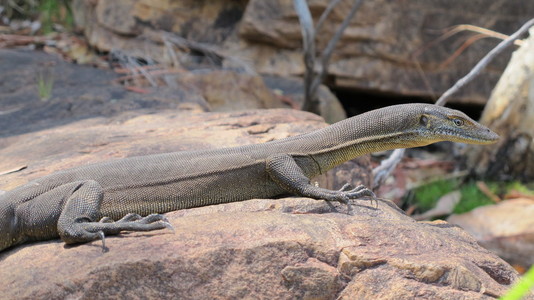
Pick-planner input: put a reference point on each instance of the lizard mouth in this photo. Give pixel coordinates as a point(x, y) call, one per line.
point(483, 136)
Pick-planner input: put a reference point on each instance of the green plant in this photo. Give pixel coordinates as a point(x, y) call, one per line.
point(55, 11)
point(472, 198)
point(521, 288)
point(518, 186)
point(45, 84)
point(427, 195)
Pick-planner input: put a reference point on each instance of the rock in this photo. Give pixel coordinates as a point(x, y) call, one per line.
point(113, 25)
point(277, 249)
point(225, 90)
point(505, 228)
point(80, 91)
point(293, 248)
point(293, 89)
point(387, 48)
point(379, 51)
point(77, 92)
point(210, 24)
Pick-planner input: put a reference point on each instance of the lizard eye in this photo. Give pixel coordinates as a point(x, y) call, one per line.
point(423, 121)
point(458, 122)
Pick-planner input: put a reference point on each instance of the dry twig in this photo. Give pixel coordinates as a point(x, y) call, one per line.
point(12, 40)
point(484, 62)
point(313, 80)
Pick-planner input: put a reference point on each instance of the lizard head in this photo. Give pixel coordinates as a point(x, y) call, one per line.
point(445, 124)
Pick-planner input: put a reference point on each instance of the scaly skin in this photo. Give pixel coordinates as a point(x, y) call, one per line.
point(70, 203)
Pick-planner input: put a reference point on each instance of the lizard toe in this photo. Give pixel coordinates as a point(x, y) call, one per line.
point(131, 217)
point(346, 187)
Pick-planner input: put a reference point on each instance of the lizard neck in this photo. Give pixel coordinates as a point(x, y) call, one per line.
point(328, 158)
point(374, 131)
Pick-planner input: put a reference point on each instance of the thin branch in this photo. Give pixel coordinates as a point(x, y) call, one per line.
point(169, 48)
point(484, 62)
point(484, 31)
point(325, 14)
point(387, 166)
point(312, 81)
point(459, 28)
point(470, 41)
point(308, 41)
point(327, 52)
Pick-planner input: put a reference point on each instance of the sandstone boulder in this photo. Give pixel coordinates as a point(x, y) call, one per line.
point(506, 228)
point(293, 248)
point(388, 47)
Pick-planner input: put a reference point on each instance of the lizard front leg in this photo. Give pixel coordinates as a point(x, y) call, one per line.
point(288, 175)
point(77, 222)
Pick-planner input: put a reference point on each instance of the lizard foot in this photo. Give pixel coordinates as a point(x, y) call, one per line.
point(83, 230)
point(347, 192)
point(131, 217)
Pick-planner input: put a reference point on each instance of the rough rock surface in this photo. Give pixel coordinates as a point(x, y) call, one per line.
point(387, 48)
point(292, 90)
point(293, 248)
point(506, 228)
point(225, 90)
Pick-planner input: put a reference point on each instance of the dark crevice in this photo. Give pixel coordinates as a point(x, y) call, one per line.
point(499, 273)
point(359, 101)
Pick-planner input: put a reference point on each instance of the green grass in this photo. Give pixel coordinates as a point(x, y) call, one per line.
point(426, 196)
point(45, 84)
point(522, 188)
point(472, 198)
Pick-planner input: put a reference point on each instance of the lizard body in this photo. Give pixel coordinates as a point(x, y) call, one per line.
point(70, 203)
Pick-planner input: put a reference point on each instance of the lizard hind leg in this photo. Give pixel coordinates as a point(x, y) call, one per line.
point(77, 222)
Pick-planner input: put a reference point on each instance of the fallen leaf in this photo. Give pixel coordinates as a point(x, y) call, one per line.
point(445, 206)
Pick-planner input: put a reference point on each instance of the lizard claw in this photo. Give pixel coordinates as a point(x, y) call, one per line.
point(346, 187)
point(103, 238)
point(168, 225)
point(347, 192)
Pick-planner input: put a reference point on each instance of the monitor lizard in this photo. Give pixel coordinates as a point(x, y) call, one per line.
point(88, 202)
